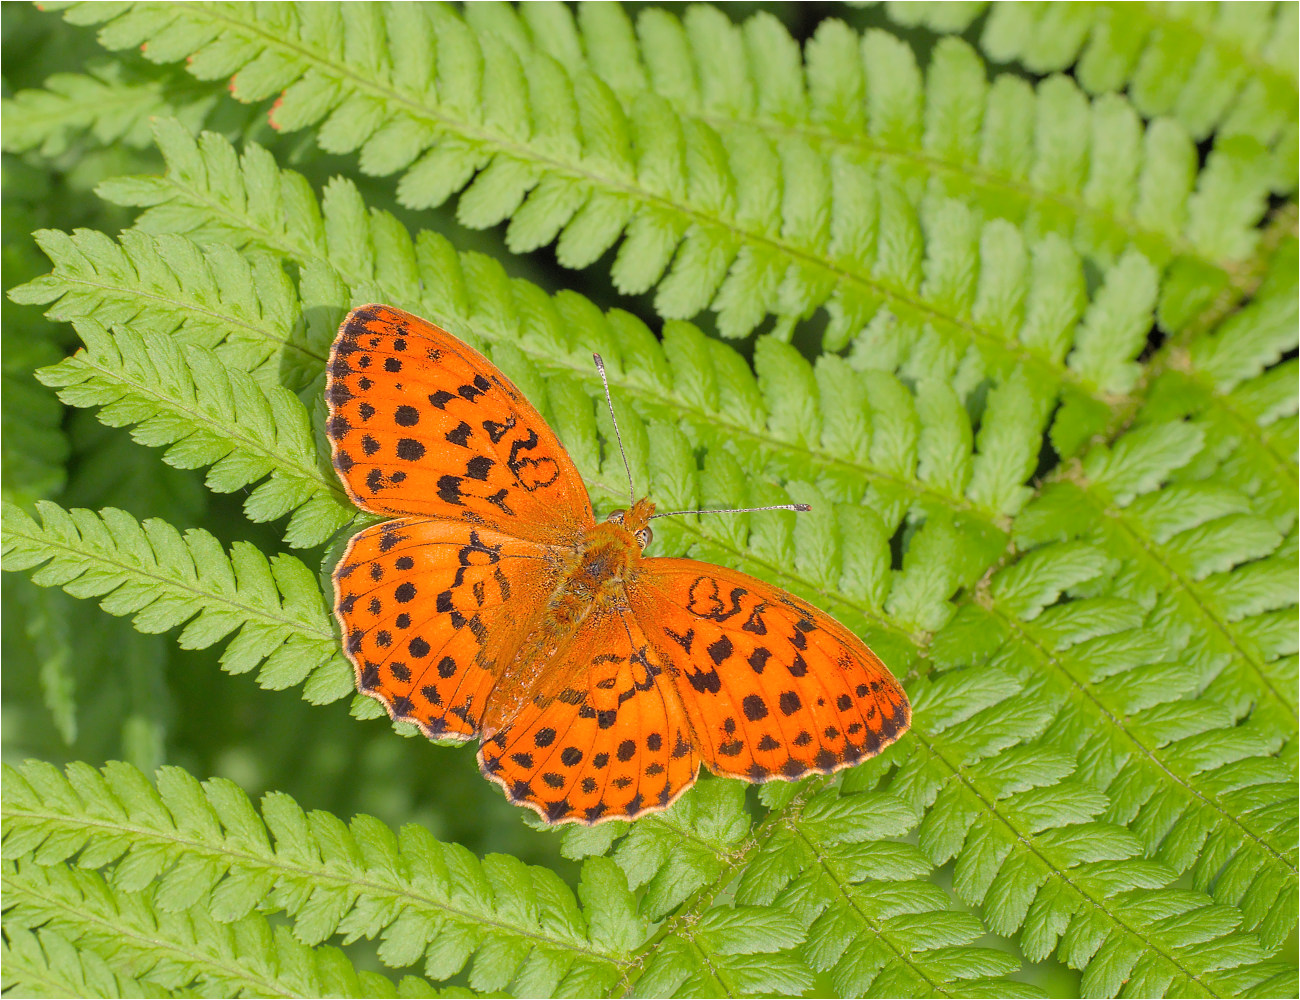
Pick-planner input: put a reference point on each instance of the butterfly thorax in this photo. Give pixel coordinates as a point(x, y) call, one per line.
point(591, 580)
point(595, 575)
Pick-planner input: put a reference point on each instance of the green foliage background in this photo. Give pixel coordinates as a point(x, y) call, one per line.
point(1008, 294)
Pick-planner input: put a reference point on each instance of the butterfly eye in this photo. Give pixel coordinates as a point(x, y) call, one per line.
point(644, 537)
point(615, 517)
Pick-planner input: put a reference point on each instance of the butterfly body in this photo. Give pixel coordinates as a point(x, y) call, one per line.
point(495, 606)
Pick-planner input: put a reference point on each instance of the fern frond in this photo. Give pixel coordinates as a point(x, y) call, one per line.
point(691, 204)
point(205, 850)
point(1224, 69)
point(109, 102)
point(242, 306)
point(122, 934)
point(1158, 730)
point(207, 414)
point(690, 380)
point(1232, 382)
point(1043, 156)
point(44, 963)
point(271, 610)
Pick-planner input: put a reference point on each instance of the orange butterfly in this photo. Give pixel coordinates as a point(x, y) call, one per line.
point(494, 605)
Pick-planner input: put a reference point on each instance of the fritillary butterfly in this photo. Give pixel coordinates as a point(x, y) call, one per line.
point(493, 605)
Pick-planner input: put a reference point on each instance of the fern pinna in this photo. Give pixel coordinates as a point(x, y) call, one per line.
point(1006, 293)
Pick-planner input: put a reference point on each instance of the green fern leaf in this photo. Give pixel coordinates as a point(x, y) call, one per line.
point(122, 939)
point(109, 102)
point(208, 415)
point(1041, 157)
point(205, 852)
point(271, 610)
point(1223, 69)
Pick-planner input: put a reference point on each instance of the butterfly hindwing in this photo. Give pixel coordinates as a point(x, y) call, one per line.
point(429, 608)
point(772, 687)
point(422, 425)
point(606, 738)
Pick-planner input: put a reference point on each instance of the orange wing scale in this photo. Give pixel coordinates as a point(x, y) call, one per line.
point(429, 609)
point(420, 424)
point(772, 687)
point(608, 738)
point(485, 608)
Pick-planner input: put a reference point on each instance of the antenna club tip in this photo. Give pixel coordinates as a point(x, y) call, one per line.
point(600, 362)
point(803, 507)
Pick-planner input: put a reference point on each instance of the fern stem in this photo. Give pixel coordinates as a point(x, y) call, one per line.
point(75, 919)
point(324, 874)
point(868, 920)
point(1176, 583)
point(1087, 692)
point(689, 912)
point(1015, 353)
point(1026, 840)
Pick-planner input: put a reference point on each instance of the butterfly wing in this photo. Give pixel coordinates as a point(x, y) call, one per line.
point(421, 425)
point(606, 738)
point(773, 688)
point(430, 609)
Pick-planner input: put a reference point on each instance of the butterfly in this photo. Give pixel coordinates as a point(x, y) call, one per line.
point(493, 604)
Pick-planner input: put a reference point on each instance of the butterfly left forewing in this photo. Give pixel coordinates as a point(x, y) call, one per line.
point(420, 424)
point(773, 688)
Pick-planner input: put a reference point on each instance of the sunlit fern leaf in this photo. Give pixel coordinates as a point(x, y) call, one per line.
point(119, 938)
point(243, 306)
point(836, 238)
point(1224, 68)
point(206, 414)
point(1040, 156)
point(271, 610)
point(202, 853)
point(45, 963)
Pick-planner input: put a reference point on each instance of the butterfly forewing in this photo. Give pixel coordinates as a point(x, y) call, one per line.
point(773, 688)
point(420, 424)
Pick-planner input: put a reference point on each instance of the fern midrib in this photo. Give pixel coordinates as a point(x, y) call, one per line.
point(1173, 354)
point(1087, 692)
point(89, 556)
point(232, 432)
point(326, 873)
point(841, 888)
point(41, 978)
point(525, 153)
point(1209, 38)
point(79, 917)
point(1027, 841)
point(690, 911)
point(648, 398)
point(222, 319)
point(1180, 584)
point(1173, 244)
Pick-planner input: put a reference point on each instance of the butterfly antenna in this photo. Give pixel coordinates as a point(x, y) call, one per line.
point(801, 507)
point(631, 488)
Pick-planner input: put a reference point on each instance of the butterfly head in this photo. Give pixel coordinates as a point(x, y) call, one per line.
point(636, 520)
